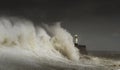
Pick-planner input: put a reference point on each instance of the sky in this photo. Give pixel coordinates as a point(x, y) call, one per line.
point(95, 21)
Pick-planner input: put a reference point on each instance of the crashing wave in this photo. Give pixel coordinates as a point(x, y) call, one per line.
point(24, 46)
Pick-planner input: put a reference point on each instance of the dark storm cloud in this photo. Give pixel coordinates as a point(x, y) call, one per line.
point(61, 8)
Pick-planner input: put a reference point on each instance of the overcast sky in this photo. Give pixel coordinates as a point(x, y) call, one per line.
point(96, 21)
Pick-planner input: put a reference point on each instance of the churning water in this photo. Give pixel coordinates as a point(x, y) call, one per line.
point(24, 46)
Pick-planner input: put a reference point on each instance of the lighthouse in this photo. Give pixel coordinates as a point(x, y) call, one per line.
point(76, 39)
point(82, 48)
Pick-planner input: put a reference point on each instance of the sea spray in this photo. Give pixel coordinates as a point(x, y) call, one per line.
point(23, 34)
point(63, 41)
